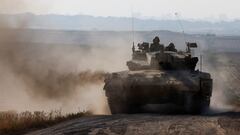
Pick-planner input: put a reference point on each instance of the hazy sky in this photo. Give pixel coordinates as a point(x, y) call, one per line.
point(195, 9)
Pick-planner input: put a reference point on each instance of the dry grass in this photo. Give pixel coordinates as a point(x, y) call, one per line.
point(13, 123)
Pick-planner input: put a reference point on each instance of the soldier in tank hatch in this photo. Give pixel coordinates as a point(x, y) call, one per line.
point(171, 47)
point(156, 46)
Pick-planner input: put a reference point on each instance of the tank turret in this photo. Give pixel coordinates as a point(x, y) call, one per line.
point(168, 59)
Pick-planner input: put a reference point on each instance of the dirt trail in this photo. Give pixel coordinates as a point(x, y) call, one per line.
point(151, 124)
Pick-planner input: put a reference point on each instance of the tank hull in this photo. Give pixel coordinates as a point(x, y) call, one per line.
point(137, 88)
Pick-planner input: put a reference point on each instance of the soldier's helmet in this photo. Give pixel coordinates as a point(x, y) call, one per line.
point(171, 45)
point(156, 40)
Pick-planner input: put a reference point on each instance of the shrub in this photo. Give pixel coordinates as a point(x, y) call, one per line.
point(15, 123)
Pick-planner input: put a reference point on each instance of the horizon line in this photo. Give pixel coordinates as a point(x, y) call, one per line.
point(128, 17)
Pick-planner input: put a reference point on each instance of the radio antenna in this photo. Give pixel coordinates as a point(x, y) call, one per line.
point(133, 31)
point(181, 26)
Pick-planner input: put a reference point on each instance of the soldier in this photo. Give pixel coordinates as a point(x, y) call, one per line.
point(171, 47)
point(156, 46)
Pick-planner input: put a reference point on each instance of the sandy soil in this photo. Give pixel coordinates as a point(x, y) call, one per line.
point(150, 124)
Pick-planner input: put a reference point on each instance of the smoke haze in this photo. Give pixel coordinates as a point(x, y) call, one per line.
point(224, 68)
point(55, 72)
point(36, 76)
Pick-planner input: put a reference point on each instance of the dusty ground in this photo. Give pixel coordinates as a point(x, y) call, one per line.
point(153, 124)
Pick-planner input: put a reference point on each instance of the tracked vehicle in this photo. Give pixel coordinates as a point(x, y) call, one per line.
point(159, 75)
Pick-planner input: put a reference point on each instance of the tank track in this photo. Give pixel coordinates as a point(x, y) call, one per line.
point(196, 104)
point(116, 96)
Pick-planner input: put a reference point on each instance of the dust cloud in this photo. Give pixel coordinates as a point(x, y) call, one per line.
point(223, 68)
point(40, 76)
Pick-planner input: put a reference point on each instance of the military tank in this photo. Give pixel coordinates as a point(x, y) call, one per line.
point(159, 75)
